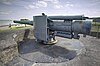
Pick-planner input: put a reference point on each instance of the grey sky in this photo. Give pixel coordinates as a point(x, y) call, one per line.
point(16, 9)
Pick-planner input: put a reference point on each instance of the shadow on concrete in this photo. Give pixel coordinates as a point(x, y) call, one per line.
point(31, 46)
point(26, 34)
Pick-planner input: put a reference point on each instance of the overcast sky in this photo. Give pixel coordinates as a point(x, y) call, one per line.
point(16, 9)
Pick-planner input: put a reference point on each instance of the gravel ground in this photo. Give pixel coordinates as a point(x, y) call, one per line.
point(91, 57)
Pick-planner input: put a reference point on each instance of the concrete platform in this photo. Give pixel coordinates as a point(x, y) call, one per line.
point(67, 52)
point(31, 52)
point(64, 50)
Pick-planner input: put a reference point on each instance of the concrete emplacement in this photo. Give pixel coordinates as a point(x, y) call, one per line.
point(64, 50)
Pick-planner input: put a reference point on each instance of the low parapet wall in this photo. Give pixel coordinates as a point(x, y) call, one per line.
point(9, 43)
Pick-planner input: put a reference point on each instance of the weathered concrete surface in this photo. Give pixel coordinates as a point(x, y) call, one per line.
point(63, 51)
point(91, 57)
point(8, 45)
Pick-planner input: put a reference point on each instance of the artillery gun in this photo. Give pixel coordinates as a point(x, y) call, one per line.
point(47, 27)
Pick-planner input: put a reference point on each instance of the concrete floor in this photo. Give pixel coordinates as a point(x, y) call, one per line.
point(67, 52)
point(64, 50)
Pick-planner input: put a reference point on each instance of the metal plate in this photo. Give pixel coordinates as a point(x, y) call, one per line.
point(40, 27)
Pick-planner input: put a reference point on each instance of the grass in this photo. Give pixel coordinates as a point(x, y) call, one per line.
point(14, 27)
point(96, 23)
point(95, 27)
point(20, 26)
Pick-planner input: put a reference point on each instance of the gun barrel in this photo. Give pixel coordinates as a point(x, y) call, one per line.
point(66, 17)
point(79, 26)
point(24, 22)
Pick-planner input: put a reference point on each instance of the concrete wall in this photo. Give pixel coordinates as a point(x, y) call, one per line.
point(9, 43)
